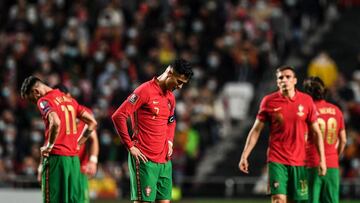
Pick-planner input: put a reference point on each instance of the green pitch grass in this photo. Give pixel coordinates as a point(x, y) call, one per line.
point(213, 201)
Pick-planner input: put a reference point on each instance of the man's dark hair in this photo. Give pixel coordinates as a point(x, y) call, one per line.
point(182, 67)
point(62, 88)
point(282, 68)
point(315, 87)
point(28, 84)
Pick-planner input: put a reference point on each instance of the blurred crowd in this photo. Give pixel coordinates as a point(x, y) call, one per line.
point(101, 50)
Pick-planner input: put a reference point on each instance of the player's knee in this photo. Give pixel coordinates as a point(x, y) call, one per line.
point(278, 199)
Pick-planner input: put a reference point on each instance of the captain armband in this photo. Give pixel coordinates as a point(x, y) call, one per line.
point(171, 119)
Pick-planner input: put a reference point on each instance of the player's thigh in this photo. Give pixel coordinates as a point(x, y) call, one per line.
point(278, 178)
point(143, 179)
point(76, 193)
point(331, 188)
point(164, 184)
point(84, 183)
point(54, 184)
point(314, 185)
point(297, 183)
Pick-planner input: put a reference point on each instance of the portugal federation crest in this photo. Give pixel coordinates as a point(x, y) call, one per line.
point(147, 191)
point(300, 110)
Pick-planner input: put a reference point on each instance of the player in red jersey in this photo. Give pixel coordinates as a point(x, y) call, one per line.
point(151, 107)
point(88, 152)
point(61, 166)
point(331, 121)
point(290, 114)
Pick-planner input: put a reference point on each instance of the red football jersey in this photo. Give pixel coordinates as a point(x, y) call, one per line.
point(152, 118)
point(289, 120)
point(331, 122)
point(83, 153)
point(68, 110)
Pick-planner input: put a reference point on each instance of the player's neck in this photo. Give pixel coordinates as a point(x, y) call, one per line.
point(288, 93)
point(160, 80)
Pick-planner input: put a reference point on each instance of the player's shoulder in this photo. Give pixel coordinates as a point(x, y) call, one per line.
point(271, 95)
point(144, 87)
point(331, 105)
point(303, 95)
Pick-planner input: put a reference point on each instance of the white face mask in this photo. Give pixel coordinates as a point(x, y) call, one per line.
point(9, 138)
point(35, 136)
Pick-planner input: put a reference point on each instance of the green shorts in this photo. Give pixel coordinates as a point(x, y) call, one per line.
point(150, 181)
point(288, 180)
point(324, 188)
point(60, 181)
point(85, 187)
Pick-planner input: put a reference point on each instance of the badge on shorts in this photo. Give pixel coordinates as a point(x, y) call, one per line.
point(276, 184)
point(147, 191)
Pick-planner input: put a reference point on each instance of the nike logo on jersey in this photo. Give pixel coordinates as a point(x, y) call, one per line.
point(155, 102)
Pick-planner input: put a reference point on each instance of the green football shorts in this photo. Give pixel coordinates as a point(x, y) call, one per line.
point(288, 180)
point(60, 181)
point(324, 188)
point(85, 187)
point(150, 181)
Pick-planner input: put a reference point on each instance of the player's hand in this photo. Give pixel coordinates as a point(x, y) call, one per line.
point(39, 173)
point(90, 169)
point(322, 168)
point(244, 166)
point(138, 154)
point(45, 151)
point(170, 152)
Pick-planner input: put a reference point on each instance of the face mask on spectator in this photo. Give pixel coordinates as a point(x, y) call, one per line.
point(29, 171)
point(105, 139)
point(99, 56)
point(213, 61)
point(9, 138)
point(35, 136)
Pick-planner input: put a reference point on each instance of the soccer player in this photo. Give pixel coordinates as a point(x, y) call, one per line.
point(290, 114)
point(61, 166)
point(331, 121)
point(151, 108)
point(88, 152)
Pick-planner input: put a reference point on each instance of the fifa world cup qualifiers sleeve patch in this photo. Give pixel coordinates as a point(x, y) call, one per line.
point(133, 98)
point(171, 119)
point(44, 107)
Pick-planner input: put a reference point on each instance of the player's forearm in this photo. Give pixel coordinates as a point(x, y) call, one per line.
point(320, 146)
point(94, 146)
point(54, 129)
point(171, 132)
point(252, 138)
point(342, 142)
point(119, 121)
point(250, 144)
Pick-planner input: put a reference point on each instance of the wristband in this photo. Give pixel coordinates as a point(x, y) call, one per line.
point(87, 133)
point(50, 145)
point(93, 159)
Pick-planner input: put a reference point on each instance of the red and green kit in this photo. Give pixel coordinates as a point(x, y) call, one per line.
point(289, 120)
point(152, 117)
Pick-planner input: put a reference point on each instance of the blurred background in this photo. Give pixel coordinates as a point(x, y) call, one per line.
point(102, 49)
